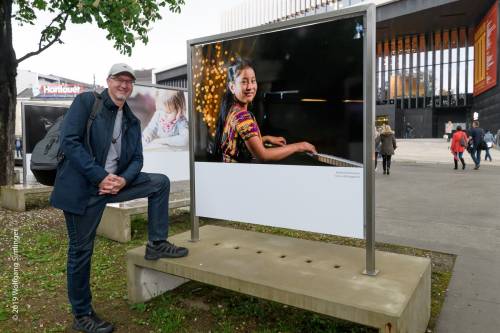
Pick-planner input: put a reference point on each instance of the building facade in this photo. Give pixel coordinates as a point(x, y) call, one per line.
point(173, 77)
point(48, 89)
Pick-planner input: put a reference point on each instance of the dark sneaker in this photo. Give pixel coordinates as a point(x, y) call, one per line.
point(164, 250)
point(92, 324)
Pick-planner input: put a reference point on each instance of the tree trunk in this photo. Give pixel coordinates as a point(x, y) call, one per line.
point(8, 93)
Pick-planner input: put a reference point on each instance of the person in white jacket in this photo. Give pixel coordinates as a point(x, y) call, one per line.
point(169, 122)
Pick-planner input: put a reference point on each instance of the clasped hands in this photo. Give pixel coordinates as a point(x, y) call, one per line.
point(111, 184)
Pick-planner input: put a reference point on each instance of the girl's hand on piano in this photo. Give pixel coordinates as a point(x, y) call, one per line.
point(274, 140)
point(305, 147)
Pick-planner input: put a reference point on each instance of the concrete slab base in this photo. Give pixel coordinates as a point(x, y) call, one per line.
point(14, 197)
point(316, 276)
point(153, 283)
point(17, 176)
point(117, 218)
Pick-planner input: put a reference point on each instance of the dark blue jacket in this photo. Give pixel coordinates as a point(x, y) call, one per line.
point(79, 174)
point(477, 135)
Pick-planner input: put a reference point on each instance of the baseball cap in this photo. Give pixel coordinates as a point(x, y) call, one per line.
point(121, 68)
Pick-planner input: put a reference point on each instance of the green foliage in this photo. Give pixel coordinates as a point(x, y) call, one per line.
point(125, 20)
point(168, 318)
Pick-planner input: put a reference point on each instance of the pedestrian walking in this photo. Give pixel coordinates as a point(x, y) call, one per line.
point(378, 145)
point(408, 131)
point(388, 145)
point(448, 128)
point(476, 140)
point(489, 138)
point(458, 145)
point(19, 146)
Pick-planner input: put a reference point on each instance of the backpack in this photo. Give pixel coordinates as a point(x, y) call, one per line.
point(482, 144)
point(463, 142)
point(47, 154)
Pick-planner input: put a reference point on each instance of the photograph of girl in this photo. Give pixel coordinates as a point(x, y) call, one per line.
point(238, 137)
point(169, 125)
point(279, 99)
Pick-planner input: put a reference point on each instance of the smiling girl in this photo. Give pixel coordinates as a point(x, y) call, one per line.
point(238, 138)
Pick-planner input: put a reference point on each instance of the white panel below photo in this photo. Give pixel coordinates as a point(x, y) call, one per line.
point(30, 177)
point(310, 198)
point(173, 164)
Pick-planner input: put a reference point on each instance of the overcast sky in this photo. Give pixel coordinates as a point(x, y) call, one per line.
point(86, 51)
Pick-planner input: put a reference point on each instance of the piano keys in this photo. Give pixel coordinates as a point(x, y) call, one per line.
point(335, 161)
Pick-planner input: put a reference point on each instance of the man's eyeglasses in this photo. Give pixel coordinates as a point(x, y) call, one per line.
point(121, 81)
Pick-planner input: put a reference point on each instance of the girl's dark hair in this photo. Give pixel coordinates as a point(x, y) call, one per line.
point(228, 99)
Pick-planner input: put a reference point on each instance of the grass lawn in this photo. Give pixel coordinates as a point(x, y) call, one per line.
point(194, 307)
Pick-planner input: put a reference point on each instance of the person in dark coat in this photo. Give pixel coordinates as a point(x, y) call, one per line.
point(19, 147)
point(387, 149)
point(378, 145)
point(106, 170)
point(476, 136)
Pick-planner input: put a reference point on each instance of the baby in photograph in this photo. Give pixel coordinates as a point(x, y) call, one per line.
point(169, 124)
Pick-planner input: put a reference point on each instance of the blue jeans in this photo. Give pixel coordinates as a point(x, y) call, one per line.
point(82, 231)
point(476, 155)
point(487, 154)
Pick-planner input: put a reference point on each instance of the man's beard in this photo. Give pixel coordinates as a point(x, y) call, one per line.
point(121, 97)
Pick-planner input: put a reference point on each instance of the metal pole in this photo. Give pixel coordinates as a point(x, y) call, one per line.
point(404, 87)
point(449, 67)
point(369, 121)
point(195, 223)
point(23, 116)
point(466, 65)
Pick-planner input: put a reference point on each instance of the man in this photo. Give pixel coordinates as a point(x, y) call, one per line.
point(476, 135)
point(408, 131)
point(19, 146)
point(109, 170)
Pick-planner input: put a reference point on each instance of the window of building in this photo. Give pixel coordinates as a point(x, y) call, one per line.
point(426, 70)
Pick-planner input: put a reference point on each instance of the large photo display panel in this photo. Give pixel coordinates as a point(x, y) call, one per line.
point(300, 89)
point(165, 129)
point(37, 120)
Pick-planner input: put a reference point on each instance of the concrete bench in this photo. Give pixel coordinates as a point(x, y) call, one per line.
point(117, 217)
point(17, 176)
point(316, 276)
point(16, 197)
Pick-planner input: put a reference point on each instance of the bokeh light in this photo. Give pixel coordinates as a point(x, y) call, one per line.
point(209, 68)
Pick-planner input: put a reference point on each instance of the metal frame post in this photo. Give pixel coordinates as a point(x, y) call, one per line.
point(23, 125)
point(369, 121)
point(195, 222)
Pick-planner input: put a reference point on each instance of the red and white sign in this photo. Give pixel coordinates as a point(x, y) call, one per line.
point(485, 52)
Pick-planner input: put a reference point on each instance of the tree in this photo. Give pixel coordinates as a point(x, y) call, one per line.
point(124, 20)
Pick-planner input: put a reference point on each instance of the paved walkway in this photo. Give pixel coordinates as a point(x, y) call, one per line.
point(434, 151)
point(430, 205)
